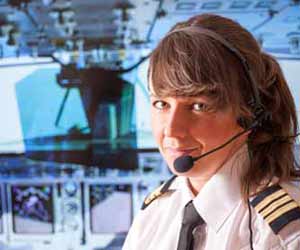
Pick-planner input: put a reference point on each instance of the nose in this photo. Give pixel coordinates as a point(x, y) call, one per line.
point(176, 124)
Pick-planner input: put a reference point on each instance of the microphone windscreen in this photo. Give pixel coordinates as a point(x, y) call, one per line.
point(183, 163)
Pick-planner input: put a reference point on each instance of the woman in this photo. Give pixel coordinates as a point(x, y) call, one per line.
point(215, 94)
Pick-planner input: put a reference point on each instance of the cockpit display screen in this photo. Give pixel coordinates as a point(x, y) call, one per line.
point(32, 209)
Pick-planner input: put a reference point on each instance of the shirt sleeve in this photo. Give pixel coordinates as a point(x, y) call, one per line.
point(132, 237)
point(127, 243)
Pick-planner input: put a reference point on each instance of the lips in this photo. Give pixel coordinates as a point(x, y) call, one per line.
point(177, 152)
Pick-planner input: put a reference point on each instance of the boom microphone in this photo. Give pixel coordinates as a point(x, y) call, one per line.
point(185, 163)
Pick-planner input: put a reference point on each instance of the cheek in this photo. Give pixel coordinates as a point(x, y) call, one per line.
point(157, 128)
point(214, 131)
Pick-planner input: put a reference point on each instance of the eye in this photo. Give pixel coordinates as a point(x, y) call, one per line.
point(200, 107)
point(159, 104)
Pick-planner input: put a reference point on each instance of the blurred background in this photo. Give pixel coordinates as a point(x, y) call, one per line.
point(76, 153)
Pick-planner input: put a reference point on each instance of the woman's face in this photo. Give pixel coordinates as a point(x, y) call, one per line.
point(189, 126)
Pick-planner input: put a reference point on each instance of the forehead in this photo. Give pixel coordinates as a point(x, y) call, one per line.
point(182, 99)
point(162, 85)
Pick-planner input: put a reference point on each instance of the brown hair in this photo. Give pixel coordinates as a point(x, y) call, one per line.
point(189, 63)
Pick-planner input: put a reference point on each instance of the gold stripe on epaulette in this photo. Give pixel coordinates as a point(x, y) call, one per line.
point(269, 199)
point(156, 193)
point(276, 214)
point(275, 205)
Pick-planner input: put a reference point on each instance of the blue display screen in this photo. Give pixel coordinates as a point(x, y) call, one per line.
point(32, 209)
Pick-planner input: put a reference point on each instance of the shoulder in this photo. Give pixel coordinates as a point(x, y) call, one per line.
point(159, 192)
point(278, 209)
point(157, 212)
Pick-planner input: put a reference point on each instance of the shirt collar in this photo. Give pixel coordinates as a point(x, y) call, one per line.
point(221, 194)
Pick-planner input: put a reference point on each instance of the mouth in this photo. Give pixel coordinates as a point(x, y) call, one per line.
point(177, 152)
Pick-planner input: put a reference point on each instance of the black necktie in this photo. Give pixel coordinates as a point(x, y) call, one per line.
point(191, 219)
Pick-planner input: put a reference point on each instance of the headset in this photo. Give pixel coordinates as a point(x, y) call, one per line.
point(261, 115)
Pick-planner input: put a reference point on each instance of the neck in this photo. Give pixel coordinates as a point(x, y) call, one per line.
point(196, 183)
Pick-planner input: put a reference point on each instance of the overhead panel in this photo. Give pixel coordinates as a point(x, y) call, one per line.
point(281, 35)
point(251, 14)
point(144, 18)
point(45, 26)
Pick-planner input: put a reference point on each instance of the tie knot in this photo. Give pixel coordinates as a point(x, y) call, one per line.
point(191, 216)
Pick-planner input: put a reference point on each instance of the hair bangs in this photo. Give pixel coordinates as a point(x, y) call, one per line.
point(180, 67)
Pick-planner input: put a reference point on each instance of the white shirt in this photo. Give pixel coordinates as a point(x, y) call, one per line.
point(226, 217)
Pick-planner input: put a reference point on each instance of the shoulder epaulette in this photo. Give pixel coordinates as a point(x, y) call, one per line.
point(164, 188)
point(277, 207)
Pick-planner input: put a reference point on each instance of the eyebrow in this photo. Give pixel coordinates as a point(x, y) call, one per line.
point(187, 99)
